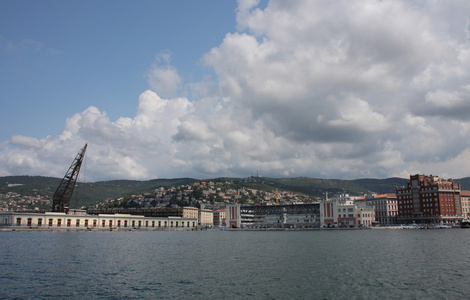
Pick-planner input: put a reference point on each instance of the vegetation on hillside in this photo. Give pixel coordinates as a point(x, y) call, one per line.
point(90, 193)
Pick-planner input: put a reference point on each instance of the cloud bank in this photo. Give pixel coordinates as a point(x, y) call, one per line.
point(329, 89)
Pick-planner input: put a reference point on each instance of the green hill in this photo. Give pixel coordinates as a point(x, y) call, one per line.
point(318, 187)
point(89, 193)
point(86, 193)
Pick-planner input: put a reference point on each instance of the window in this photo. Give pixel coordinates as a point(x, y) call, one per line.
point(159, 223)
point(18, 221)
point(95, 223)
point(110, 223)
point(30, 222)
point(125, 223)
point(119, 223)
point(153, 223)
point(59, 222)
point(39, 222)
point(51, 222)
point(103, 223)
point(77, 223)
point(146, 223)
point(86, 223)
point(69, 222)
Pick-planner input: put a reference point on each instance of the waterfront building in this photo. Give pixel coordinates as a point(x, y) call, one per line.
point(206, 217)
point(190, 212)
point(273, 216)
point(233, 216)
point(345, 211)
point(465, 200)
point(328, 213)
point(79, 220)
point(429, 200)
point(220, 218)
point(184, 212)
point(386, 207)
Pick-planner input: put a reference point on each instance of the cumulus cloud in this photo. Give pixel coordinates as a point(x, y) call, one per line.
point(133, 148)
point(163, 77)
point(24, 141)
point(335, 89)
point(453, 104)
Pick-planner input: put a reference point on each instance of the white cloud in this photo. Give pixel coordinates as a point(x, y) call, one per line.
point(337, 89)
point(24, 141)
point(444, 99)
point(163, 77)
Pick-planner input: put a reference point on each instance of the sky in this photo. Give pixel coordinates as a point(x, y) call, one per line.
point(203, 89)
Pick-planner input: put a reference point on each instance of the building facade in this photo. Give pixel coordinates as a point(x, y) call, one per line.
point(206, 217)
point(465, 200)
point(233, 215)
point(83, 221)
point(190, 212)
point(273, 216)
point(344, 212)
point(386, 207)
point(429, 200)
point(220, 218)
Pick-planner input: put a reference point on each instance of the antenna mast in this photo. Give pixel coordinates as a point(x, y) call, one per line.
point(63, 194)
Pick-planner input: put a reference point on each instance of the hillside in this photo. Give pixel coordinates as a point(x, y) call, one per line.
point(318, 187)
point(90, 193)
point(86, 193)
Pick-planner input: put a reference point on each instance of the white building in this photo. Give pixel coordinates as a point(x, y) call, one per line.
point(273, 216)
point(220, 217)
point(77, 220)
point(386, 207)
point(346, 212)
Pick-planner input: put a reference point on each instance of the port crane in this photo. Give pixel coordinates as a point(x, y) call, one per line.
point(63, 194)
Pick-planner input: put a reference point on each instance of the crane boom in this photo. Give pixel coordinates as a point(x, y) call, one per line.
point(63, 194)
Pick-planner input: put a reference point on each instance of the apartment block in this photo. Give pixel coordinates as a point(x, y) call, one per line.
point(428, 199)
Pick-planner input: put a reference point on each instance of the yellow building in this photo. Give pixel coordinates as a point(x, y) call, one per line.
point(465, 199)
point(190, 212)
point(206, 217)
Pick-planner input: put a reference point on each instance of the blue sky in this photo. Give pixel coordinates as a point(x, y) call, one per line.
point(59, 57)
point(164, 89)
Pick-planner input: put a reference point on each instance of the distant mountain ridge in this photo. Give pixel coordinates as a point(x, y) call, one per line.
point(93, 192)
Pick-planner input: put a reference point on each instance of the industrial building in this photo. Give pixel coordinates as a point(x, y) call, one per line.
point(79, 220)
point(273, 216)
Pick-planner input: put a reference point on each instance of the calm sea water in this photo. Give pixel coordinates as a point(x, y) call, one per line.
point(357, 264)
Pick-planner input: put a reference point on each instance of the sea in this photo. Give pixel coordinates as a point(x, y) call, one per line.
point(213, 264)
